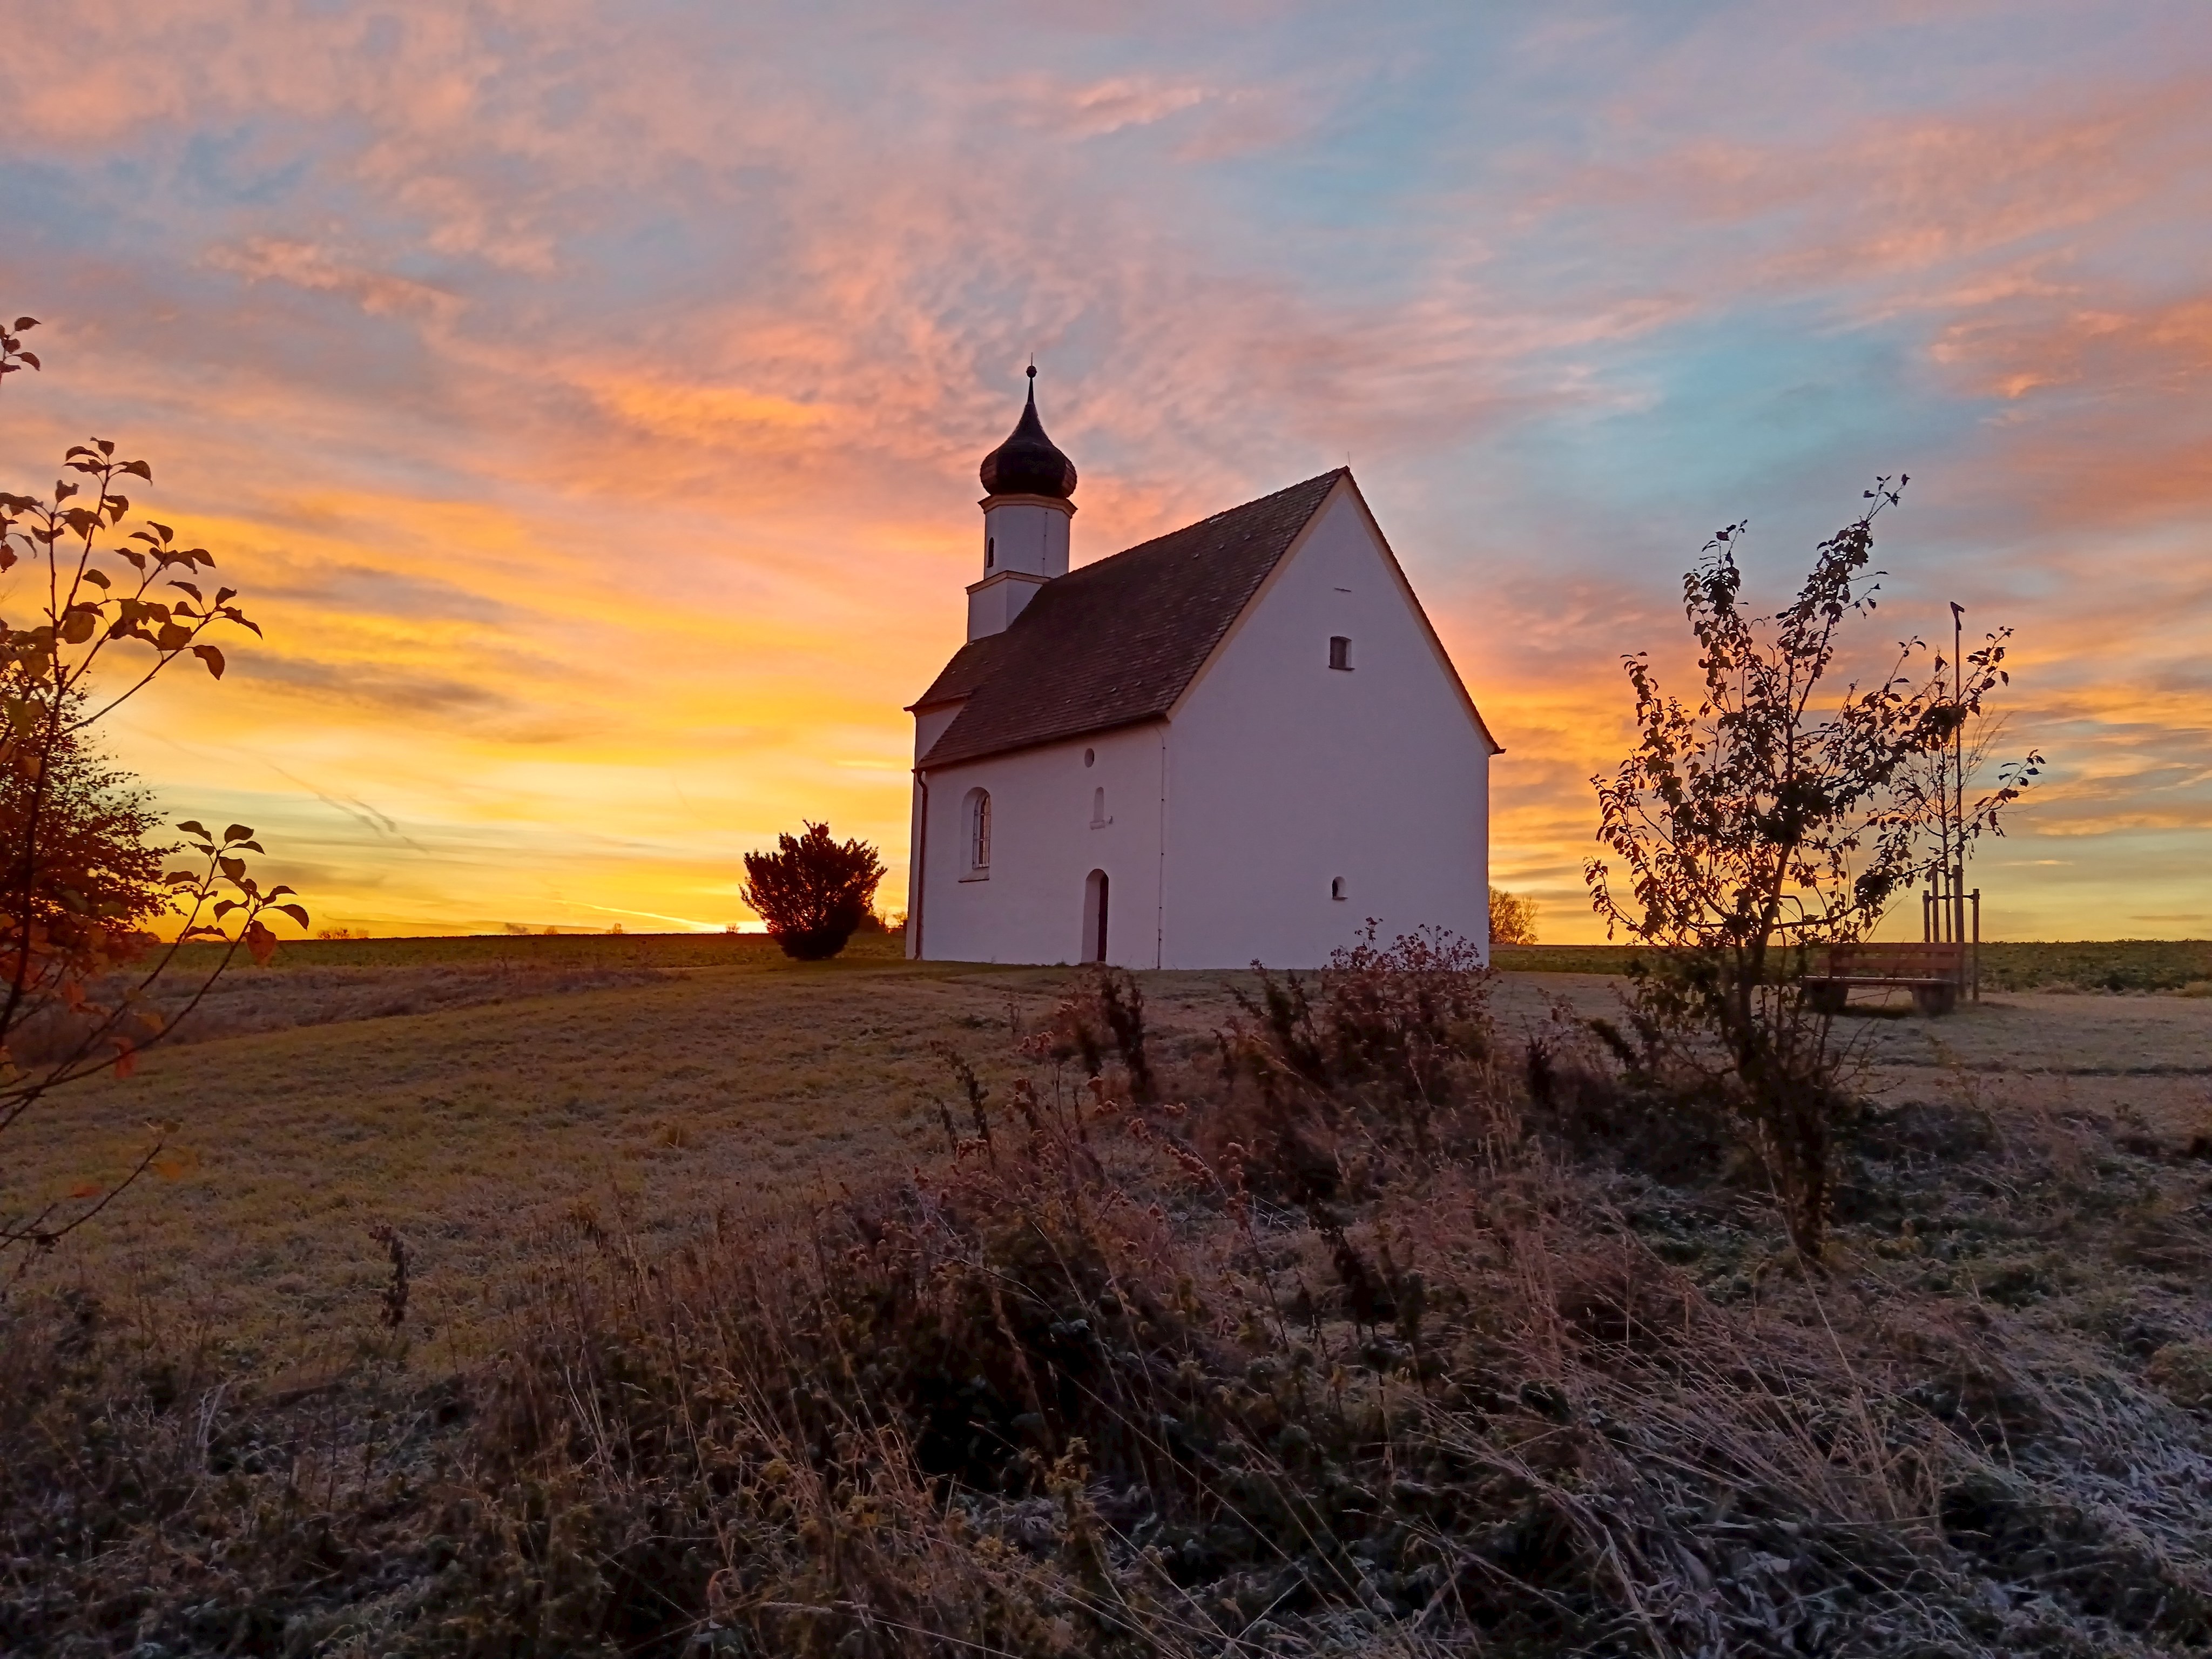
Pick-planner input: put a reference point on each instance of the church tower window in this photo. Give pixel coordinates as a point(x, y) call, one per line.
point(1339, 652)
point(1098, 818)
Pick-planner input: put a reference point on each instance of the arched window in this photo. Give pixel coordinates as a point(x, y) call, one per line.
point(990, 551)
point(1336, 887)
point(1099, 820)
point(1340, 651)
point(979, 832)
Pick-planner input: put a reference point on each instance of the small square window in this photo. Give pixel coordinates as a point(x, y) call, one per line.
point(1339, 652)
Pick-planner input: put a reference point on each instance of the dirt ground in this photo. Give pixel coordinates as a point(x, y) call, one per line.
point(491, 1116)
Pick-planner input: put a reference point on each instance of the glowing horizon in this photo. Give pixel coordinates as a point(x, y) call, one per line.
point(588, 400)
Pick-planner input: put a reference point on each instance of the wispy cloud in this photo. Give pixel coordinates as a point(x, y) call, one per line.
point(587, 396)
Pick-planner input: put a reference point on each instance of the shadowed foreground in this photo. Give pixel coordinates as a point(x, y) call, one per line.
point(735, 1324)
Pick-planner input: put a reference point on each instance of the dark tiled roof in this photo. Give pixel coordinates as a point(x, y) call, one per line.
point(1117, 641)
point(970, 666)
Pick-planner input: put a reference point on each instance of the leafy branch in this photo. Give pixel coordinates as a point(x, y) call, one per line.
point(78, 971)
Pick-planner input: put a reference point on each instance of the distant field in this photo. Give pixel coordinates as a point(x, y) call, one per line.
point(500, 1099)
point(331, 981)
point(552, 950)
point(1561, 958)
point(2135, 964)
point(2110, 965)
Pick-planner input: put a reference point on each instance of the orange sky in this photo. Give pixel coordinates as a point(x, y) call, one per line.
point(587, 399)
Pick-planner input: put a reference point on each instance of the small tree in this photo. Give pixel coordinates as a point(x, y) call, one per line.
point(1512, 918)
point(813, 892)
point(1756, 826)
point(79, 973)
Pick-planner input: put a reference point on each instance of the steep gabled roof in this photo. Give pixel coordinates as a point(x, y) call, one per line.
point(1119, 641)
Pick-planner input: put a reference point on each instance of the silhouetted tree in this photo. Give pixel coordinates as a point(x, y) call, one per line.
point(1763, 823)
point(1512, 918)
point(813, 892)
point(96, 877)
point(78, 882)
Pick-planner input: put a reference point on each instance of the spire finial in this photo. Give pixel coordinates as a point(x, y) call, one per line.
point(1032, 368)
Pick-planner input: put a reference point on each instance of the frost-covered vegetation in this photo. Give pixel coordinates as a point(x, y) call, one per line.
point(1392, 1327)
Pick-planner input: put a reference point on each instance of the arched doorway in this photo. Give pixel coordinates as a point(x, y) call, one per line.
point(1095, 904)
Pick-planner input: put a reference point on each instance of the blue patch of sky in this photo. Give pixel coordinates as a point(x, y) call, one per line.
point(1937, 60)
point(1759, 410)
point(50, 204)
point(249, 163)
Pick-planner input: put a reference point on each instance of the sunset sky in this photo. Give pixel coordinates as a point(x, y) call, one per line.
point(587, 398)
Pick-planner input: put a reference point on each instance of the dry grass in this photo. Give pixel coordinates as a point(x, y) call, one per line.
point(780, 1373)
point(477, 1130)
point(485, 1097)
point(650, 1085)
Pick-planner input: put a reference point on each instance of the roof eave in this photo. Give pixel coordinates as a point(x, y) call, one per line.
point(932, 759)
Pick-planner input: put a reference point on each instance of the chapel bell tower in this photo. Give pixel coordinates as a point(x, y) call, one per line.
point(1026, 511)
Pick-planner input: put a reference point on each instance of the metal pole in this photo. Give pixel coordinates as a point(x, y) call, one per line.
point(1977, 944)
point(1936, 876)
point(1959, 770)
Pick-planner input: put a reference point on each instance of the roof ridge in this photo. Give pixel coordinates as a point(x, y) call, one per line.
point(1200, 523)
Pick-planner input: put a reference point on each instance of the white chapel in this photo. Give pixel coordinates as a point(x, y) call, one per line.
point(1235, 743)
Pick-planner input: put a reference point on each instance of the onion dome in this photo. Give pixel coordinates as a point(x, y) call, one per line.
point(1028, 463)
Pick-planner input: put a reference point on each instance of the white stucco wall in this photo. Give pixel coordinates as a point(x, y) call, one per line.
point(1043, 846)
point(1284, 772)
point(994, 602)
point(1027, 534)
point(929, 725)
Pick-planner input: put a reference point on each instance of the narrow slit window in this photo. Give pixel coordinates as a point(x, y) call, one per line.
point(990, 551)
point(1339, 652)
point(1098, 808)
